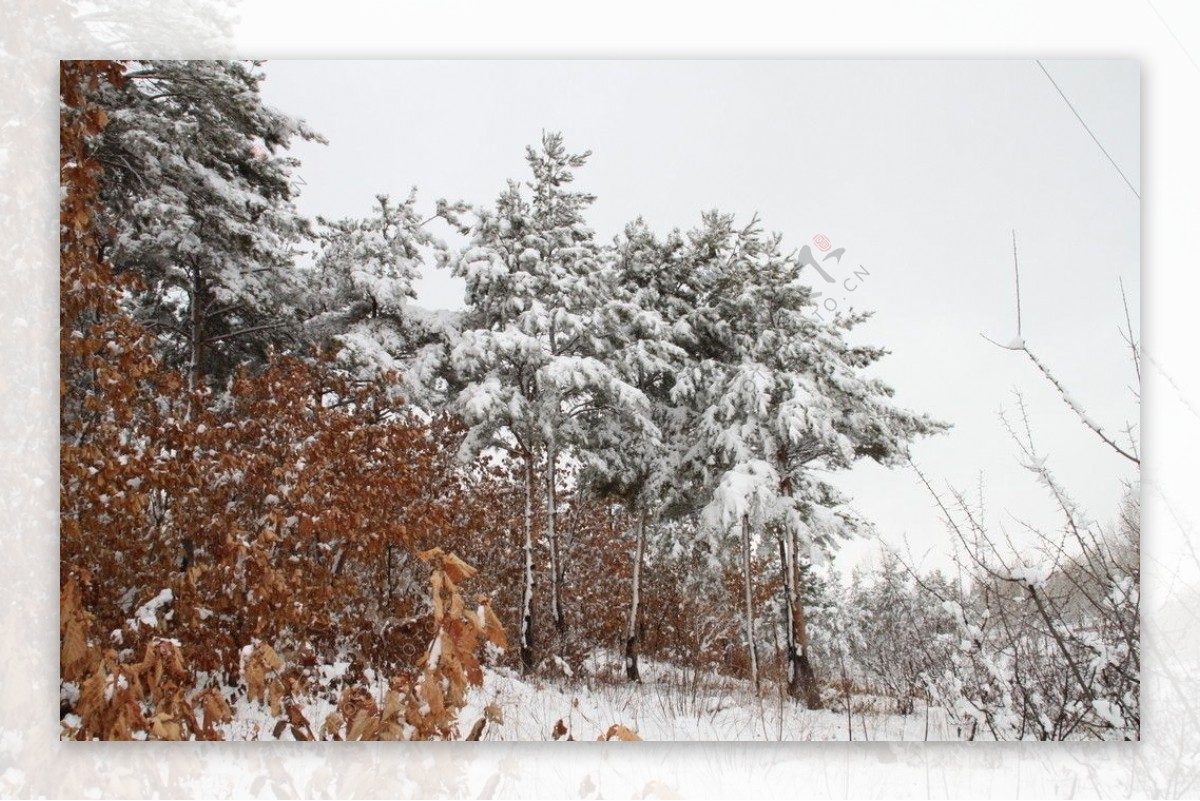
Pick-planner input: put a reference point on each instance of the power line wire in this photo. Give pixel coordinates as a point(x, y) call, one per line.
point(1174, 36)
point(1086, 128)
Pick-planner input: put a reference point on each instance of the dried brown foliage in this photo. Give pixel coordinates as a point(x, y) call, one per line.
point(217, 546)
point(424, 705)
point(620, 732)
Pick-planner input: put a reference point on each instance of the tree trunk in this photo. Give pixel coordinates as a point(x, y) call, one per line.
point(556, 610)
point(631, 638)
point(746, 576)
point(787, 565)
point(527, 592)
point(196, 325)
point(808, 677)
point(802, 680)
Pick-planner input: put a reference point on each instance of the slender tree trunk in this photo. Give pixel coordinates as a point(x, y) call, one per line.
point(746, 576)
point(787, 564)
point(802, 680)
point(196, 325)
point(808, 676)
point(527, 593)
point(556, 610)
point(631, 638)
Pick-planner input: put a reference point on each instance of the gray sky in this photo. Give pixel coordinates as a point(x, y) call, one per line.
point(919, 169)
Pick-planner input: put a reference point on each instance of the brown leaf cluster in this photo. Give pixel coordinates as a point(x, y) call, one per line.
point(283, 517)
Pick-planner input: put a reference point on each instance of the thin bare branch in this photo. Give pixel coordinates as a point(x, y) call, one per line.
point(1128, 335)
point(1075, 407)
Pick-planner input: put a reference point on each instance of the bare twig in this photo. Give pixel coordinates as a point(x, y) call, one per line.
point(1128, 335)
point(1087, 421)
point(1019, 344)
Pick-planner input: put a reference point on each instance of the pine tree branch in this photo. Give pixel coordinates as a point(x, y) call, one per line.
point(244, 332)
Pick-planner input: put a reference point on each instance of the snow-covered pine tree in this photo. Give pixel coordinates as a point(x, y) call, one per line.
point(642, 322)
point(360, 297)
point(198, 195)
point(534, 379)
point(783, 392)
point(904, 634)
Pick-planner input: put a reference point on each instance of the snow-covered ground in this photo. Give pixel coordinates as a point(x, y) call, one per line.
point(673, 705)
point(670, 704)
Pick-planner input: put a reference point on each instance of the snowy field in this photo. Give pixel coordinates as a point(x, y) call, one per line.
point(669, 705)
point(665, 708)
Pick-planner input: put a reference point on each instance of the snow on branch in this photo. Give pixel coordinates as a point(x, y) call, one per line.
point(1018, 343)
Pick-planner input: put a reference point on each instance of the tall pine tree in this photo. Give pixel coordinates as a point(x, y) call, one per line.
point(784, 400)
point(199, 198)
point(535, 377)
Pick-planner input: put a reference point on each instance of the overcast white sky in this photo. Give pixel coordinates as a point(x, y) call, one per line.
point(919, 169)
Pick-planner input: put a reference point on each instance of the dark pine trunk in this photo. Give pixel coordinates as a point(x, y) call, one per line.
point(631, 638)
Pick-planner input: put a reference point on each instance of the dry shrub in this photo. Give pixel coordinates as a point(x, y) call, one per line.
point(425, 705)
point(242, 539)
